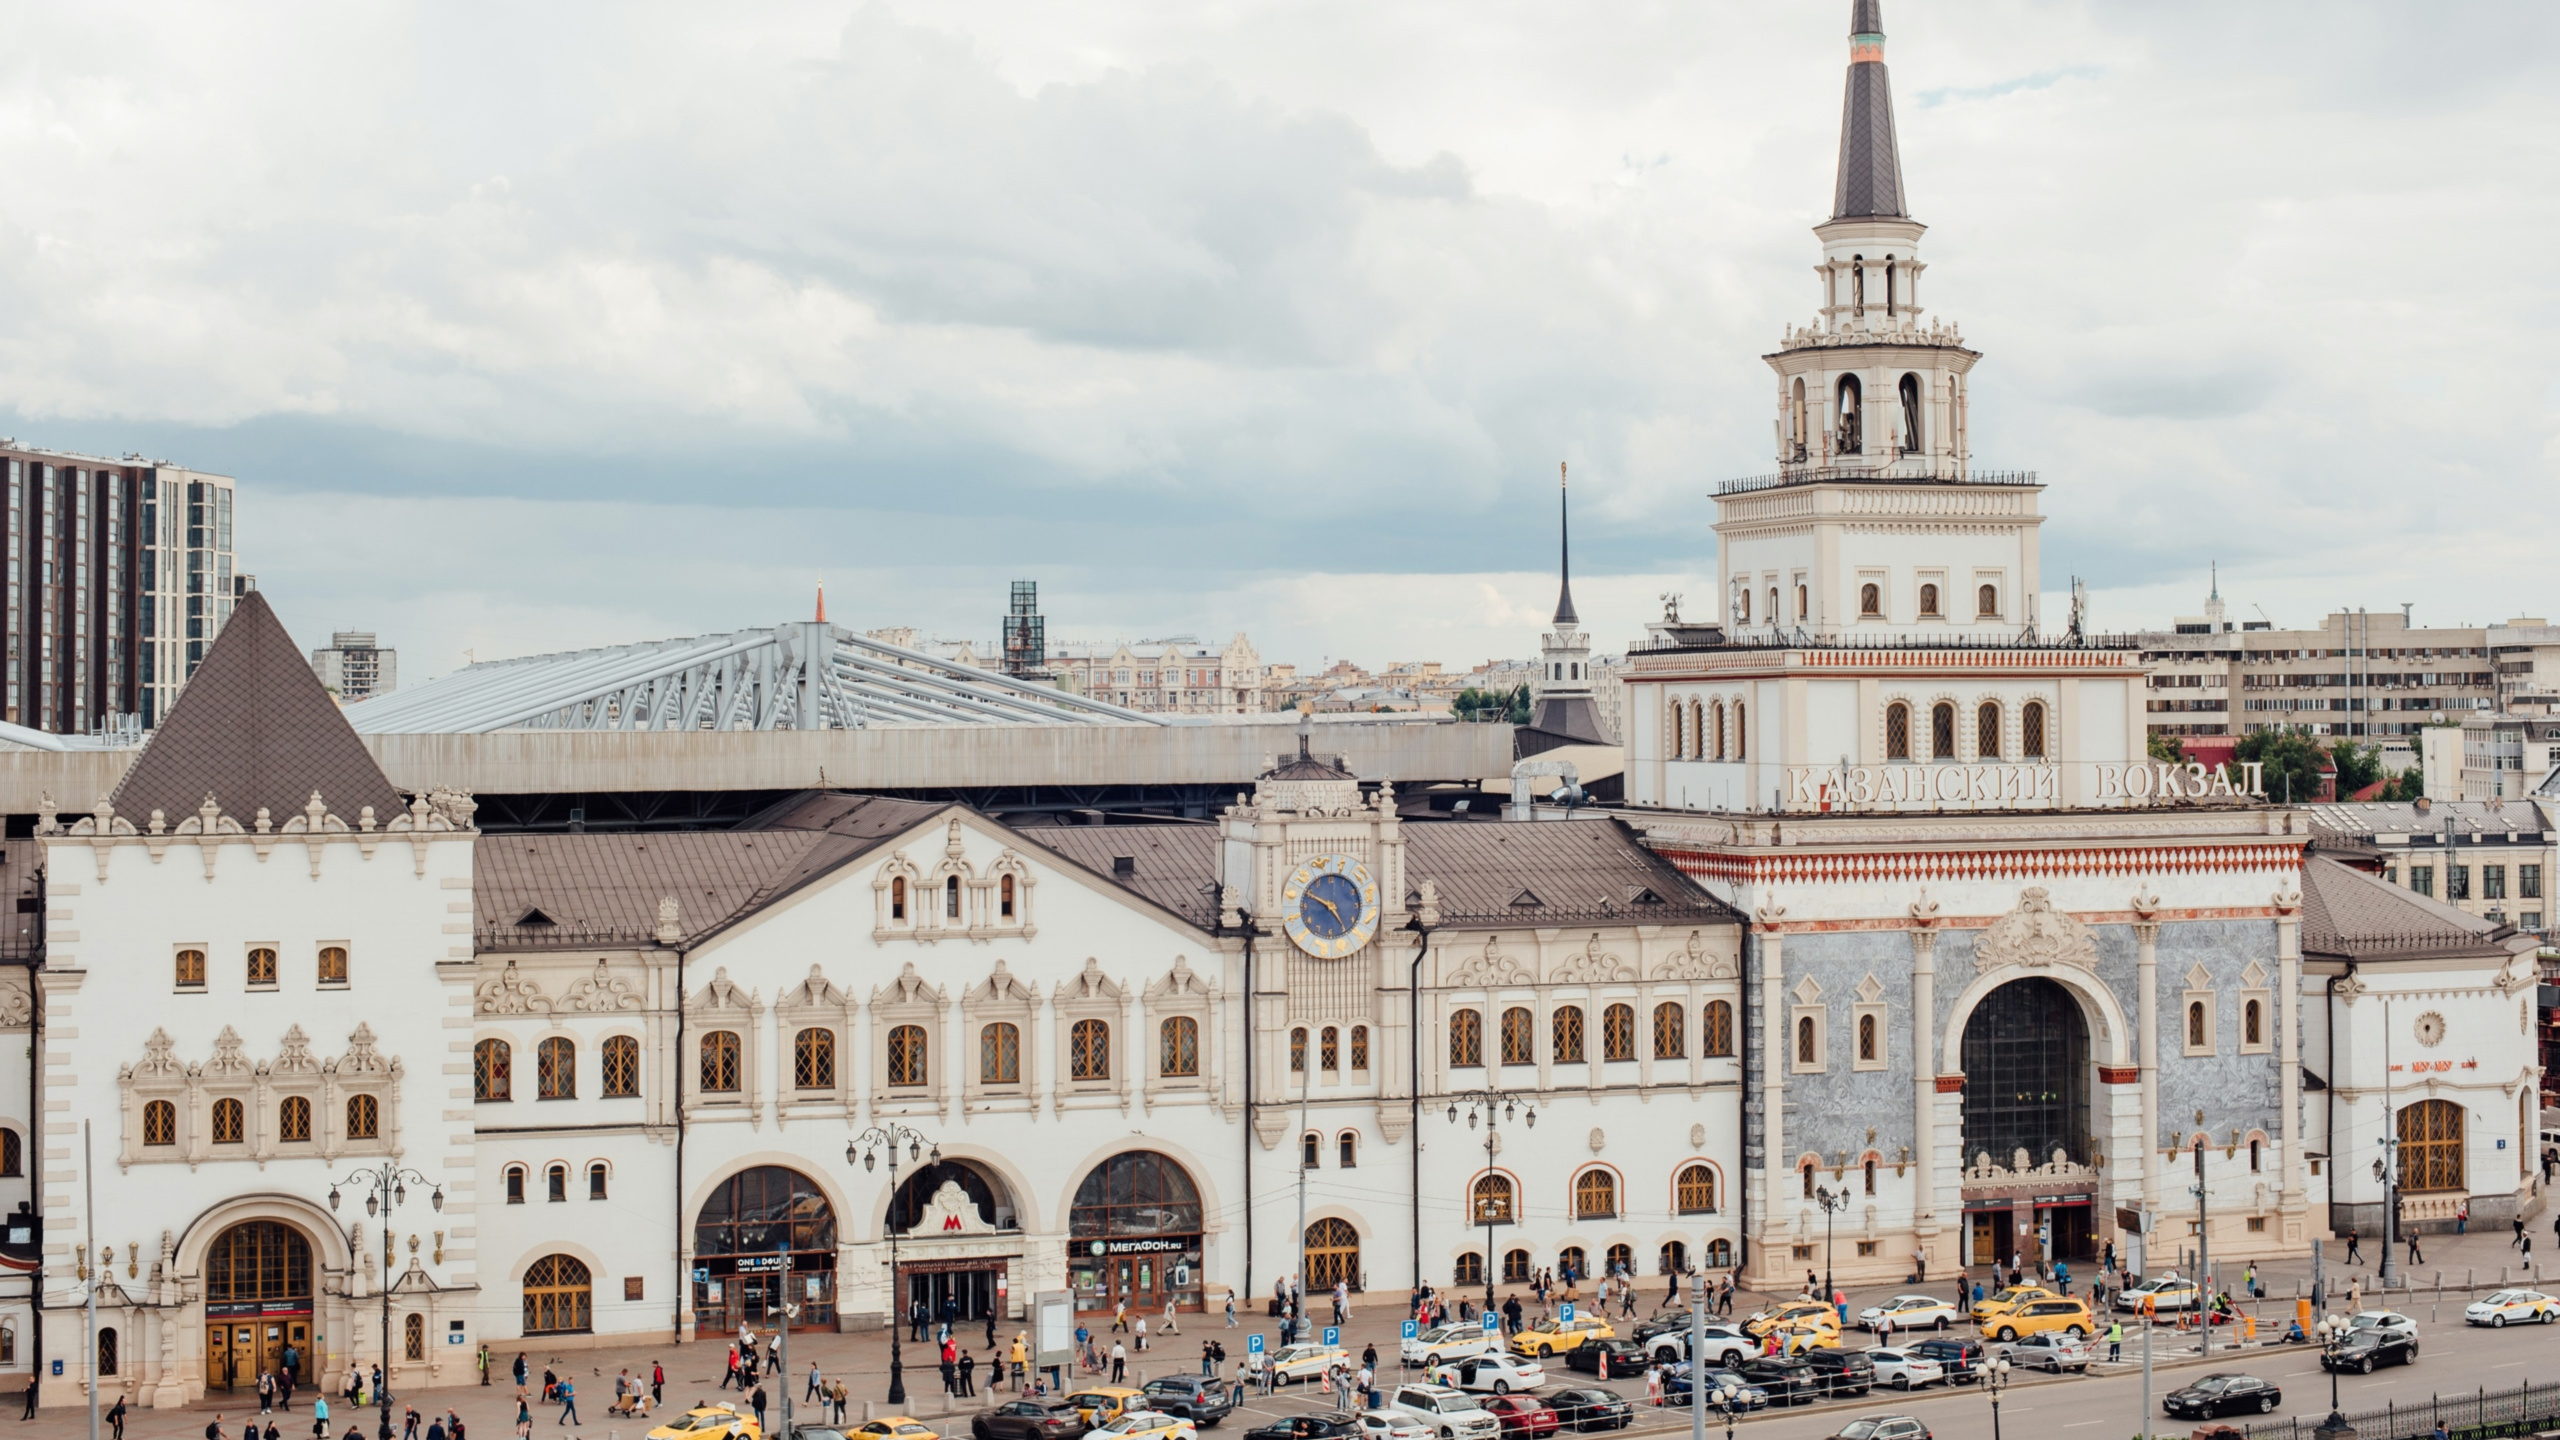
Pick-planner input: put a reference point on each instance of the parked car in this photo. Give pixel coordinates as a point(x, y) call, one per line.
point(1605, 1358)
point(1589, 1408)
point(2223, 1393)
point(1305, 1427)
point(2001, 1302)
point(1026, 1420)
point(2165, 1293)
point(1099, 1405)
point(1843, 1372)
point(1787, 1381)
point(2038, 1316)
point(1961, 1359)
point(1306, 1362)
point(1148, 1425)
point(1549, 1336)
point(1910, 1312)
point(2363, 1350)
point(1496, 1373)
point(887, 1427)
point(1195, 1398)
point(1789, 1316)
point(2512, 1307)
point(1446, 1342)
point(1523, 1417)
point(1726, 1345)
point(1386, 1425)
point(708, 1422)
point(2054, 1350)
point(1882, 1427)
point(2390, 1322)
point(1451, 1414)
point(1744, 1396)
point(1906, 1369)
point(1663, 1321)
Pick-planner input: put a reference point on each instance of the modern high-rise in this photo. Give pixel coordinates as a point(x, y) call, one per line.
point(120, 574)
point(356, 666)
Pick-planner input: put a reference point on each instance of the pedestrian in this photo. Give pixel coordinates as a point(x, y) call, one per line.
point(916, 1316)
point(455, 1434)
point(566, 1391)
point(320, 1415)
point(1120, 1314)
point(1140, 1331)
point(758, 1401)
point(266, 1390)
point(1119, 1363)
point(1653, 1384)
point(2115, 1341)
point(408, 1424)
point(2356, 1258)
point(1171, 1326)
point(2528, 1252)
point(657, 1384)
point(435, 1429)
point(2414, 1257)
point(968, 1374)
point(212, 1431)
point(1231, 1304)
point(115, 1418)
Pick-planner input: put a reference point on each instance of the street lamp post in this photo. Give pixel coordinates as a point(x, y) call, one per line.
point(868, 1147)
point(386, 1190)
point(1995, 1378)
point(1723, 1395)
point(1497, 1105)
point(2330, 1331)
point(1831, 1205)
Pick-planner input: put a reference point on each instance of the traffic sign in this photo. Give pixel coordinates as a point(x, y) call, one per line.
point(1253, 1344)
point(1492, 1322)
point(1333, 1334)
point(1411, 1329)
point(1564, 1313)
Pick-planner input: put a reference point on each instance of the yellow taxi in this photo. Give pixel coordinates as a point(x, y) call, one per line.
point(710, 1422)
point(2038, 1316)
point(894, 1427)
point(1794, 1315)
point(2512, 1307)
point(2001, 1302)
point(1099, 1405)
point(1553, 1337)
point(1149, 1425)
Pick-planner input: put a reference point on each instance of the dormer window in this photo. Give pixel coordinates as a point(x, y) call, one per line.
point(898, 898)
point(951, 897)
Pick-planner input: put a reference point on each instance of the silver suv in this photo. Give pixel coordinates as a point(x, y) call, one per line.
point(1451, 1414)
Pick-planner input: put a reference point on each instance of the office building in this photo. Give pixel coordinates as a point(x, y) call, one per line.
point(355, 666)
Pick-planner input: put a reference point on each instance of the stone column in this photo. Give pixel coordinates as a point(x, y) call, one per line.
point(2146, 984)
point(1773, 1073)
point(1924, 1070)
point(2288, 901)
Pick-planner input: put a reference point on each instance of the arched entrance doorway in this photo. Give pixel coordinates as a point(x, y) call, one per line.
point(2026, 1089)
point(1135, 1234)
point(738, 1244)
point(257, 1302)
point(2431, 1156)
point(953, 1286)
point(1333, 1256)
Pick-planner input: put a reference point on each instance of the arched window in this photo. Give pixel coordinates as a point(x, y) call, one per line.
point(555, 1069)
point(1621, 1260)
point(720, 1062)
point(1515, 1267)
point(1871, 600)
point(1719, 1254)
point(1871, 1174)
point(2195, 1025)
point(1359, 1047)
point(555, 1184)
point(262, 966)
point(1466, 1040)
point(1573, 1262)
point(1715, 724)
point(1567, 1025)
point(1178, 1046)
point(2249, 1026)
point(1492, 1200)
point(1808, 1042)
point(1298, 1051)
point(1897, 731)
point(108, 1351)
point(907, 1055)
point(1519, 1043)
point(1942, 731)
point(1089, 1051)
point(1718, 1029)
point(1889, 299)
point(1347, 1149)
point(1000, 1053)
point(2031, 731)
point(230, 1122)
point(1004, 897)
point(1867, 1038)
point(1986, 732)
point(1852, 426)
point(492, 1071)
point(1672, 1259)
point(1986, 601)
point(1330, 1049)
point(293, 1120)
point(364, 1118)
point(1929, 600)
point(191, 969)
point(1670, 1031)
point(1469, 1270)
point(1795, 420)
point(1910, 388)
point(1804, 601)
point(1741, 731)
point(1695, 1192)
point(951, 897)
point(559, 1297)
point(898, 898)
point(1773, 604)
point(413, 1336)
point(515, 1184)
point(596, 1176)
point(1595, 1195)
point(813, 1059)
point(1679, 746)
point(1310, 1148)
point(333, 964)
point(1744, 595)
point(1805, 1172)
point(621, 1067)
point(2431, 1146)
point(13, 1158)
point(1618, 1033)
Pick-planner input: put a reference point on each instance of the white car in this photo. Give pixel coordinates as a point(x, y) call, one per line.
point(1446, 1342)
point(2513, 1307)
point(2166, 1293)
point(1391, 1425)
point(2389, 1322)
point(1295, 1363)
point(2054, 1350)
point(1906, 1369)
point(1499, 1373)
point(1449, 1414)
point(1725, 1345)
point(1911, 1312)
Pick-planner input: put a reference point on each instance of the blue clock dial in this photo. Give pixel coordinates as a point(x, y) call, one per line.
point(1330, 907)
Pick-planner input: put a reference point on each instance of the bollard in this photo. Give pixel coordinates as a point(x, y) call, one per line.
point(866, 1410)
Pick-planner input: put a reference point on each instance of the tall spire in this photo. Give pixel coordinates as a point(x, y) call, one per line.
point(1564, 534)
point(1870, 163)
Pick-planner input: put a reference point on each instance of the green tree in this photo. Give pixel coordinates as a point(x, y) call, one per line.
point(2293, 763)
point(1487, 707)
point(2169, 748)
point(2409, 784)
point(2358, 765)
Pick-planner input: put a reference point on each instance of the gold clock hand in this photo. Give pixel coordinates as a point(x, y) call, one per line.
point(1329, 905)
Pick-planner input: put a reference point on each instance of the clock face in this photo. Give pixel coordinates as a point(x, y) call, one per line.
point(1330, 906)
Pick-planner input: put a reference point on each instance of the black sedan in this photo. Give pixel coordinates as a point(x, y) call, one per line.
point(2224, 1394)
point(1308, 1427)
point(1605, 1358)
point(1788, 1382)
point(1745, 1396)
point(1663, 1322)
point(1026, 1420)
point(2365, 1350)
point(1583, 1408)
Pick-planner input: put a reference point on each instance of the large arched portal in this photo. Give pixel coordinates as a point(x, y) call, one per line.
point(739, 1241)
point(257, 1301)
point(1135, 1234)
point(2026, 1090)
point(958, 1201)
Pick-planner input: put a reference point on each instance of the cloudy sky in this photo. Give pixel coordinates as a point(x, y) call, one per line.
point(535, 326)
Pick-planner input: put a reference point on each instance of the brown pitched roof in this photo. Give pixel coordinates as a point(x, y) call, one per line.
point(2348, 914)
point(1174, 866)
point(254, 728)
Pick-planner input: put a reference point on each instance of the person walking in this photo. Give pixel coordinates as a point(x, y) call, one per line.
point(566, 1391)
point(115, 1418)
point(657, 1384)
point(1120, 1315)
point(1231, 1307)
point(2353, 1257)
point(266, 1391)
point(408, 1424)
point(2414, 1257)
point(320, 1415)
point(757, 1400)
point(1119, 1362)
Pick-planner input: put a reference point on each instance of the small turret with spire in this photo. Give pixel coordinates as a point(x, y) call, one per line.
point(1565, 713)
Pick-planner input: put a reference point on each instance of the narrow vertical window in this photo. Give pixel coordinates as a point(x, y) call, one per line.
point(1089, 1054)
point(1298, 1051)
point(2195, 1024)
point(898, 898)
point(1179, 1038)
point(364, 1118)
point(621, 1067)
point(230, 1122)
point(1332, 1049)
point(2031, 731)
point(1670, 1031)
point(1004, 897)
point(515, 1184)
point(720, 1062)
point(293, 1121)
point(1910, 389)
point(907, 1055)
point(1986, 732)
point(492, 1071)
point(1741, 731)
point(1519, 1047)
point(951, 897)
point(556, 1069)
point(1942, 731)
point(1871, 600)
point(1897, 732)
point(813, 1059)
point(1618, 1033)
point(595, 1180)
point(1929, 600)
point(1808, 1050)
point(1359, 1047)
point(555, 1184)
point(1000, 1053)
point(159, 1123)
point(1719, 1029)
point(1567, 1025)
point(1867, 1038)
point(2249, 1023)
point(1466, 1040)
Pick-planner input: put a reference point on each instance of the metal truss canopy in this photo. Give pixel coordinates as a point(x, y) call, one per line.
point(805, 675)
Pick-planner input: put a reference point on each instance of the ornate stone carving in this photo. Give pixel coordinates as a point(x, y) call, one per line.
point(293, 1055)
point(1693, 961)
point(227, 1060)
point(2037, 936)
point(1178, 982)
point(603, 992)
point(1492, 968)
point(510, 993)
point(1591, 965)
point(17, 1004)
point(1599, 1139)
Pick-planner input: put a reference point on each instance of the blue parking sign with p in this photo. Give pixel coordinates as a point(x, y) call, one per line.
point(1492, 1322)
point(1333, 1334)
point(1565, 1312)
point(1253, 1344)
point(1412, 1329)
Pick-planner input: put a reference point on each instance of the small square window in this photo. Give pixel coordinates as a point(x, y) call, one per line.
point(2257, 1224)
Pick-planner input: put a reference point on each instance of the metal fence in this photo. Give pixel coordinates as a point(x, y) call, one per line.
point(2524, 1410)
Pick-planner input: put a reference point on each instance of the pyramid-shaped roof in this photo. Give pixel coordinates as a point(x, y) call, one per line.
point(254, 728)
point(1870, 182)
